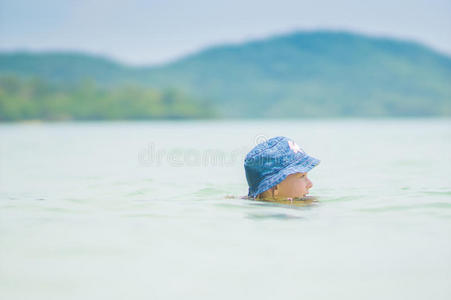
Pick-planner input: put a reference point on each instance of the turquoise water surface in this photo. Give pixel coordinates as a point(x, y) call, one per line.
point(152, 210)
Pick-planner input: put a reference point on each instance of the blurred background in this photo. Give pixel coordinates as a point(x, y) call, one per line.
point(124, 126)
point(115, 60)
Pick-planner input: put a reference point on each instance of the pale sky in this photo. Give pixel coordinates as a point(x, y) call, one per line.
point(158, 31)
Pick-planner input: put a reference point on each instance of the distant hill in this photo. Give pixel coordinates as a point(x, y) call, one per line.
point(65, 67)
point(303, 74)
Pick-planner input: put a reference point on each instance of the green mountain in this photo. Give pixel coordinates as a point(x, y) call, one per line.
point(303, 74)
point(65, 67)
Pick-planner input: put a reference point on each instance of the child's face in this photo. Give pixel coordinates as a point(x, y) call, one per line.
point(294, 186)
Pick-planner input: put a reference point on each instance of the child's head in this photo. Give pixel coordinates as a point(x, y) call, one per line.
point(277, 168)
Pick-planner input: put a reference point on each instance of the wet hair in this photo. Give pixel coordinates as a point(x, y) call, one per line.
point(260, 196)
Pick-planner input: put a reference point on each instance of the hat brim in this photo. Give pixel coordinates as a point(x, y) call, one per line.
point(305, 164)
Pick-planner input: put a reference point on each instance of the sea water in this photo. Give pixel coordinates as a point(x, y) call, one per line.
point(152, 210)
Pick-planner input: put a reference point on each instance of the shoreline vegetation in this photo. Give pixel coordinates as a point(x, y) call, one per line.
point(36, 100)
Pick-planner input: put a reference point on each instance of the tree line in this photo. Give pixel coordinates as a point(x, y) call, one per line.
point(35, 99)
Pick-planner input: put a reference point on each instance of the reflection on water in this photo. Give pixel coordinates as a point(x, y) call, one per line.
point(273, 216)
point(299, 204)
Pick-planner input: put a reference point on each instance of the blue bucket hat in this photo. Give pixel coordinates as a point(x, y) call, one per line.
point(270, 162)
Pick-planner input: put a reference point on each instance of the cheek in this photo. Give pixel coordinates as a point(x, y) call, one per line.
point(300, 187)
point(303, 184)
